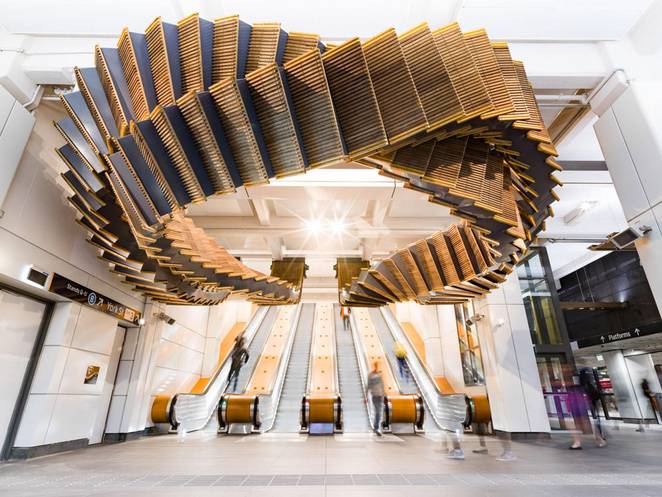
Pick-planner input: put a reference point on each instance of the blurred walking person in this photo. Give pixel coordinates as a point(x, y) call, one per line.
point(375, 388)
point(344, 314)
point(583, 396)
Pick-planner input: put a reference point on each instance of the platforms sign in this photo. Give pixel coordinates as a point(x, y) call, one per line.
point(616, 336)
point(79, 293)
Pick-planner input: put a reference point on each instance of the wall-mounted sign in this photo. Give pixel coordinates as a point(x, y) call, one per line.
point(79, 293)
point(616, 336)
point(92, 374)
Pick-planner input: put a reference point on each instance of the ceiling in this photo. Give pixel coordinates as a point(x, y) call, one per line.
point(349, 210)
point(338, 19)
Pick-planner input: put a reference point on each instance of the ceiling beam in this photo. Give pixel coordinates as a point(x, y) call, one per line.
point(276, 246)
point(379, 210)
point(583, 165)
point(261, 209)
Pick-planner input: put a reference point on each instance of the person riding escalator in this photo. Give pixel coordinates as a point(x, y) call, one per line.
point(239, 358)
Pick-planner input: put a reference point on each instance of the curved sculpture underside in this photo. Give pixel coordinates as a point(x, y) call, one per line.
point(188, 111)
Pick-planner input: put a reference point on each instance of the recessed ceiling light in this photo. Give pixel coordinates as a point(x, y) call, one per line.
point(314, 226)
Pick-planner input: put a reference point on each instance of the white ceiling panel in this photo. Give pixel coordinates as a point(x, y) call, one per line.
point(219, 206)
point(409, 203)
point(321, 209)
point(552, 19)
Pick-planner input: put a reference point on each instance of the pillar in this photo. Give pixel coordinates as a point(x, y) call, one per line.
point(509, 362)
point(630, 135)
point(626, 374)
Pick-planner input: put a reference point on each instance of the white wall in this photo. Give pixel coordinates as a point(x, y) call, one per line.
point(39, 225)
point(178, 363)
point(15, 126)
point(61, 406)
point(436, 324)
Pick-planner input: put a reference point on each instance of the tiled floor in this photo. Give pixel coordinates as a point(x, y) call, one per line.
point(351, 465)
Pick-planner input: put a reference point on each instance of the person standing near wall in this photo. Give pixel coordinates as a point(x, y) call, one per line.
point(375, 388)
point(650, 395)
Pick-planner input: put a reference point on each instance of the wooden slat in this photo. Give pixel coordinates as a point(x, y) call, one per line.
point(354, 98)
point(438, 99)
point(273, 110)
point(396, 94)
point(462, 71)
point(314, 109)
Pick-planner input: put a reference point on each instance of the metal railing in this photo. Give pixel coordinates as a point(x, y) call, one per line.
point(192, 411)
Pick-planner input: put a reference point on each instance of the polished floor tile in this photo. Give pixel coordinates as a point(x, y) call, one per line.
point(203, 464)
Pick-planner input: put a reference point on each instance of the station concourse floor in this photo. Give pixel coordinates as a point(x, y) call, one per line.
point(204, 464)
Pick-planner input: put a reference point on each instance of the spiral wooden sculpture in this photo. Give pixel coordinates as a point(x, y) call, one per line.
point(188, 111)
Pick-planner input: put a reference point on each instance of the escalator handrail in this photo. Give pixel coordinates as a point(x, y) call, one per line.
point(363, 366)
point(419, 370)
point(222, 370)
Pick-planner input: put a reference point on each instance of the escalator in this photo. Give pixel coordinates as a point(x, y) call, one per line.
point(403, 410)
point(192, 411)
point(355, 414)
point(294, 388)
point(255, 349)
point(447, 412)
point(252, 405)
point(321, 407)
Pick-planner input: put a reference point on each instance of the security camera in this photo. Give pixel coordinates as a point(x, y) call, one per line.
point(164, 317)
point(474, 319)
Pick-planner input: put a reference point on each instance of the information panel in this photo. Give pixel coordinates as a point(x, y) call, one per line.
point(79, 293)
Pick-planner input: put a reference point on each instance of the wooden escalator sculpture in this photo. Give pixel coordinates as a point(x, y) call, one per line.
point(189, 111)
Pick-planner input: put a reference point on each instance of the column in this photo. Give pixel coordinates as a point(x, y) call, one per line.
point(633, 152)
point(626, 374)
point(630, 135)
point(509, 362)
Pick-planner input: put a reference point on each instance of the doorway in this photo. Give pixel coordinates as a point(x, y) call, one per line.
point(23, 323)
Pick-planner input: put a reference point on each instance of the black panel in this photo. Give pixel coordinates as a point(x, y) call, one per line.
point(145, 175)
point(91, 78)
point(139, 42)
point(178, 124)
point(112, 58)
point(616, 277)
point(148, 132)
point(133, 189)
point(84, 172)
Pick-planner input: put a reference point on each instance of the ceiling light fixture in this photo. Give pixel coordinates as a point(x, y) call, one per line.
point(314, 226)
point(579, 211)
